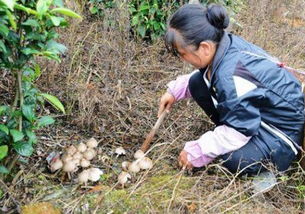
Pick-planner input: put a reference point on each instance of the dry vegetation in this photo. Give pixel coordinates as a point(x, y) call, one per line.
point(111, 85)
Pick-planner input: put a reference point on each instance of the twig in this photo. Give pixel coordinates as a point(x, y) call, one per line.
point(174, 190)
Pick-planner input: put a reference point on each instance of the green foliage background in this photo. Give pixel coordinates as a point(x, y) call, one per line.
point(27, 33)
point(148, 17)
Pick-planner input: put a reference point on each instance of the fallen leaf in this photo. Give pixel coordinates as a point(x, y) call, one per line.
point(97, 188)
point(192, 207)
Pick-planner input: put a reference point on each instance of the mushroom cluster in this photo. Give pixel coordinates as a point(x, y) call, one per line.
point(79, 156)
point(140, 162)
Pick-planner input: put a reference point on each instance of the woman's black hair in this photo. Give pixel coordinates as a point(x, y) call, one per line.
point(193, 23)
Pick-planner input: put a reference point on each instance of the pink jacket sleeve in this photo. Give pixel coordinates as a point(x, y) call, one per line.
point(179, 88)
point(222, 140)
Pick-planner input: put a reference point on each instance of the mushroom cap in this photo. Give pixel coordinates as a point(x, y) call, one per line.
point(76, 161)
point(134, 167)
point(139, 154)
point(120, 151)
point(69, 166)
point(83, 177)
point(56, 165)
point(66, 157)
point(71, 150)
point(84, 163)
point(81, 147)
point(92, 143)
point(94, 174)
point(78, 155)
point(123, 177)
point(125, 165)
point(89, 154)
point(145, 163)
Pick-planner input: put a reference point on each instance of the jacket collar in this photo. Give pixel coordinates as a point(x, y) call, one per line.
point(222, 49)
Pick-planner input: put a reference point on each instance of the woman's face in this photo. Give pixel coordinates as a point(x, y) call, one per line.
point(200, 57)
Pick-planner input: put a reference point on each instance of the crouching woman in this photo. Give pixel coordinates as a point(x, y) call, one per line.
point(256, 104)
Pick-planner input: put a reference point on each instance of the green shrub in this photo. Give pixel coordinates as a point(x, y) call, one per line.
point(148, 17)
point(27, 32)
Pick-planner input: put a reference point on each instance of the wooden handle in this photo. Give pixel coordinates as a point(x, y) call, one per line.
point(153, 131)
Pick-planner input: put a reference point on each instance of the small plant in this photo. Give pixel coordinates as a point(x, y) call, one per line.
point(96, 7)
point(148, 18)
point(27, 33)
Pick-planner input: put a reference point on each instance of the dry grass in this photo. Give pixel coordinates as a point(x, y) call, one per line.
point(111, 85)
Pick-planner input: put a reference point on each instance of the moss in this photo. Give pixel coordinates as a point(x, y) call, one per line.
point(40, 208)
point(156, 191)
point(118, 201)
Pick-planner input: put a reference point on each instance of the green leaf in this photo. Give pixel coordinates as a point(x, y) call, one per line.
point(31, 22)
point(31, 135)
point(4, 129)
point(37, 71)
point(54, 101)
point(45, 121)
point(67, 12)
point(93, 10)
point(11, 18)
point(2, 47)
point(23, 148)
point(51, 55)
point(3, 151)
point(4, 30)
point(135, 20)
point(56, 47)
point(142, 31)
point(3, 109)
point(56, 20)
point(9, 3)
point(25, 9)
point(17, 135)
point(144, 7)
point(4, 170)
point(28, 112)
point(29, 51)
point(42, 7)
point(58, 3)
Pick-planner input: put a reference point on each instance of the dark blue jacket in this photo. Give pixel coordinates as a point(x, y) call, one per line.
point(255, 95)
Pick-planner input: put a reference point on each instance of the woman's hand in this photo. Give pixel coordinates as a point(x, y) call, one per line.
point(183, 162)
point(166, 102)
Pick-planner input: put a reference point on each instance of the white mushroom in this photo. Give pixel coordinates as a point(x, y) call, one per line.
point(84, 163)
point(92, 143)
point(83, 177)
point(66, 157)
point(134, 167)
point(139, 154)
point(145, 163)
point(56, 165)
point(125, 165)
point(120, 151)
point(78, 155)
point(94, 174)
point(71, 150)
point(82, 147)
point(76, 161)
point(123, 177)
point(69, 166)
point(89, 154)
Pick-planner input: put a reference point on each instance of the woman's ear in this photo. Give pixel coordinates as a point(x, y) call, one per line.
point(207, 49)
